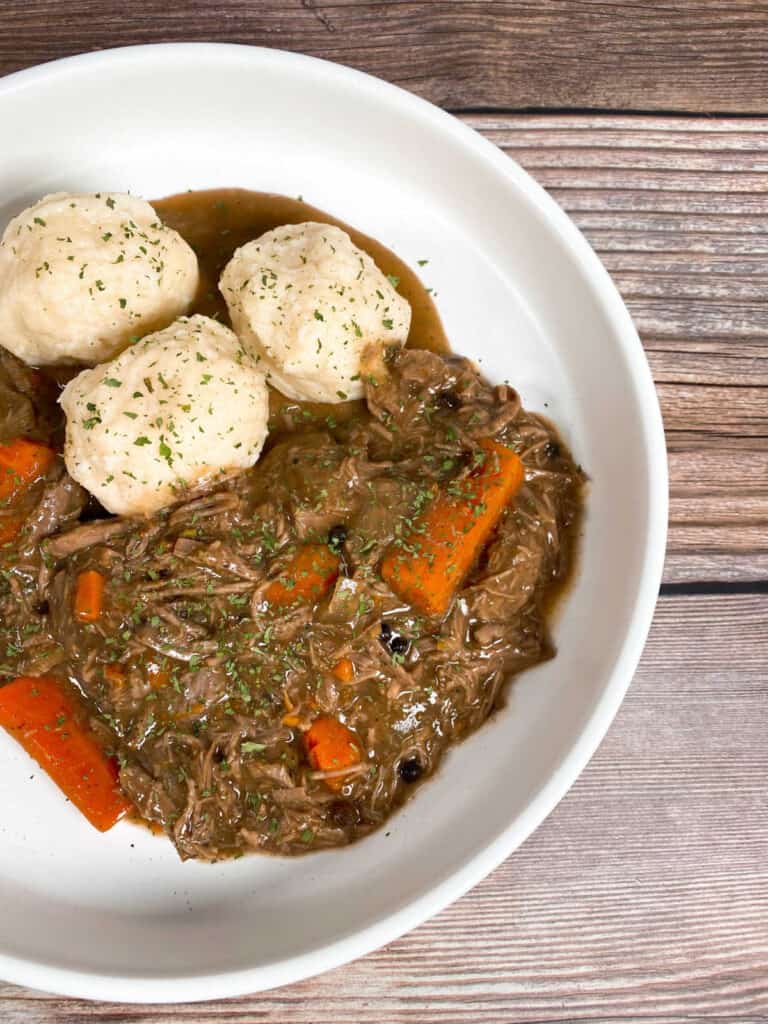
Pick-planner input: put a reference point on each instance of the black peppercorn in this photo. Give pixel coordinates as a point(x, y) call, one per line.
point(448, 400)
point(337, 536)
point(552, 450)
point(410, 769)
point(398, 644)
point(394, 642)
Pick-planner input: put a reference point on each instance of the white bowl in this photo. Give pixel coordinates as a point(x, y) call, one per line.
point(519, 289)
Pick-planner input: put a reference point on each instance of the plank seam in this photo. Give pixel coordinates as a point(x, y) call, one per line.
point(713, 587)
point(683, 115)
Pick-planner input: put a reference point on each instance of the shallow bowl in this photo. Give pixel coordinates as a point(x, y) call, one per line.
point(519, 289)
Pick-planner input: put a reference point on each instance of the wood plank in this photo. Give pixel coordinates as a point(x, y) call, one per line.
point(644, 896)
point(718, 515)
point(691, 55)
point(678, 211)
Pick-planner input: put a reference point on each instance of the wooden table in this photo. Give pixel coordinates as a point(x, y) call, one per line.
point(645, 894)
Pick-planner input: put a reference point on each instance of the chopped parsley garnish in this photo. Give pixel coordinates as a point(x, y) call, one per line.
point(250, 747)
point(165, 451)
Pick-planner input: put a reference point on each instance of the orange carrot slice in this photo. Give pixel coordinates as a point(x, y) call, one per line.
point(38, 714)
point(10, 527)
point(22, 462)
point(344, 670)
point(332, 747)
point(115, 674)
point(157, 676)
point(428, 565)
point(307, 578)
point(89, 596)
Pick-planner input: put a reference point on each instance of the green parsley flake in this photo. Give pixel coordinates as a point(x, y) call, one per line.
point(249, 747)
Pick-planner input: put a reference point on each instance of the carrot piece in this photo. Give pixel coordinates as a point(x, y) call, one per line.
point(332, 747)
point(429, 564)
point(157, 676)
point(38, 714)
point(308, 577)
point(21, 463)
point(191, 712)
point(10, 527)
point(344, 670)
point(115, 674)
point(89, 596)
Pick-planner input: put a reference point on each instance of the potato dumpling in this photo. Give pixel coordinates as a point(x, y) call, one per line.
point(83, 275)
point(180, 409)
point(306, 301)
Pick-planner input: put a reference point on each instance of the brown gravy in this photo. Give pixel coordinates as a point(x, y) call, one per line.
point(215, 222)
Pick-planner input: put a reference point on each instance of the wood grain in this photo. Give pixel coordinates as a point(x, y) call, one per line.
point(687, 55)
point(678, 211)
point(643, 897)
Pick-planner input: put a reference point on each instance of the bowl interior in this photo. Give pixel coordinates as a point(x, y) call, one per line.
point(520, 292)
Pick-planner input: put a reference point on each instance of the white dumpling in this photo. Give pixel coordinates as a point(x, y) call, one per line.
point(306, 301)
point(83, 275)
point(182, 408)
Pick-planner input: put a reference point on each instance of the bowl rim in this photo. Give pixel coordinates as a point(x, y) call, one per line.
point(135, 988)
